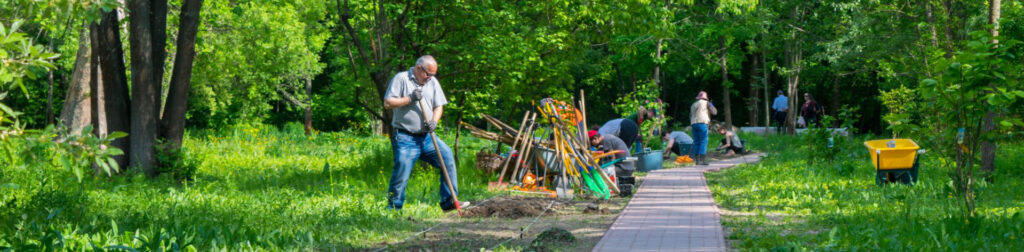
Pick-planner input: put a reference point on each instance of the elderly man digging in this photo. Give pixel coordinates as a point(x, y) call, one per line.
point(407, 95)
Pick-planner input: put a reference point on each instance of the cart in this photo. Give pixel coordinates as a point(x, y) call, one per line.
point(895, 160)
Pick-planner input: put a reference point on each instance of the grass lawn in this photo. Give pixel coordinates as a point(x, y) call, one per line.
point(786, 203)
point(256, 187)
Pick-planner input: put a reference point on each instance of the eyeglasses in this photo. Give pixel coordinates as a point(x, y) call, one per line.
point(424, 70)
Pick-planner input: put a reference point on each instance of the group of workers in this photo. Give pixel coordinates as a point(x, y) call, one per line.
point(417, 101)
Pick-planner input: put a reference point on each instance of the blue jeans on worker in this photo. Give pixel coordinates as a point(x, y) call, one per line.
point(700, 138)
point(408, 148)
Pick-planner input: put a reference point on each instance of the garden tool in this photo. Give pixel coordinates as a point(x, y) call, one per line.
point(504, 166)
point(444, 167)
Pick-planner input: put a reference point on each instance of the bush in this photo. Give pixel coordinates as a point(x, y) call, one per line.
point(176, 162)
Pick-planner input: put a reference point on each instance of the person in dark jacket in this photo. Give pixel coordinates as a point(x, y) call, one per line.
point(810, 111)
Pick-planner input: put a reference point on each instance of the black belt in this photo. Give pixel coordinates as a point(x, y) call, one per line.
point(410, 133)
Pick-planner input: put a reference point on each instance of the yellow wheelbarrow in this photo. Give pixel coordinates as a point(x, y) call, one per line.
point(895, 160)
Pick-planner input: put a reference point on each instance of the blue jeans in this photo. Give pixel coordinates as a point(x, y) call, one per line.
point(700, 138)
point(409, 148)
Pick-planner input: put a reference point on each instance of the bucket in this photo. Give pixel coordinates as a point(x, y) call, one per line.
point(649, 161)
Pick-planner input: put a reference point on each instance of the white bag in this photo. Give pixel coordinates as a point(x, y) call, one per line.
point(800, 123)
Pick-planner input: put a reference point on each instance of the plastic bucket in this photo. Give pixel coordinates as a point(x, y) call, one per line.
point(649, 161)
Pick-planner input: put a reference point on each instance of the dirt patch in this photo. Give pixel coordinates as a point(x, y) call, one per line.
point(514, 207)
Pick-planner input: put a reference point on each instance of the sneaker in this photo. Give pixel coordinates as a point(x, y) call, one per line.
point(462, 204)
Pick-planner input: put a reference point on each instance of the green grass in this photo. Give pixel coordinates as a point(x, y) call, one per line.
point(257, 187)
point(787, 203)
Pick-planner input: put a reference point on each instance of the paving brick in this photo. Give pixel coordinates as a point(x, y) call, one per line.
point(672, 211)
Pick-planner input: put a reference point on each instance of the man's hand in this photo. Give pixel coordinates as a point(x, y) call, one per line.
point(416, 95)
point(430, 125)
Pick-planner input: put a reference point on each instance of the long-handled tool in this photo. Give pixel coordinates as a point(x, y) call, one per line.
point(504, 166)
point(440, 159)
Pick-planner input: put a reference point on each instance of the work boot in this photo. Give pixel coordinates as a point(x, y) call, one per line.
point(704, 159)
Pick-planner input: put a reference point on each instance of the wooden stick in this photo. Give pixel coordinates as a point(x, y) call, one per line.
point(527, 136)
point(519, 135)
point(440, 159)
point(529, 149)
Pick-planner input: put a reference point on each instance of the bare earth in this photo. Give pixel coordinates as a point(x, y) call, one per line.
point(494, 221)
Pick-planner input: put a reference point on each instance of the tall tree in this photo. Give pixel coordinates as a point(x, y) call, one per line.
point(988, 147)
point(173, 122)
point(76, 113)
point(114, 82)
point(145, 112)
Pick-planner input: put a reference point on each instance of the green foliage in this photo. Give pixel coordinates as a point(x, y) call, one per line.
point(982, 80)
point(821, 142)
point(901, 103)
point(786, 203)
point(255, 187)
point(176, 162)
point(645, 99)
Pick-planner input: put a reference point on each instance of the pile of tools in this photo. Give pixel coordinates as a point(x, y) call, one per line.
point(550, 154)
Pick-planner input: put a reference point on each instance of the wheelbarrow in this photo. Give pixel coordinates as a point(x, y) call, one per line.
point(895, 160)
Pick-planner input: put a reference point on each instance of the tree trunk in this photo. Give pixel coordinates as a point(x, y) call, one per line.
point(767, 97)
point(77, 110)
point(309, 106)
point(988, 147)
point(49, 92)
point(930, 18)
point(657, 64)
point(115, 104)
point(752, 92)
point(158, 34)
point(835, 101)
point(173, 122)
point(727, 104)
point(793, 54)
point(145, 88)
point(96, 89)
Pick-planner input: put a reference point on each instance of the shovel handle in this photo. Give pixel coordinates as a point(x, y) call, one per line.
point(440, 159)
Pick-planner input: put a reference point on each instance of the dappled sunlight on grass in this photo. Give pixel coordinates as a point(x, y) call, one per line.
point(255, 186)
point(786, 202)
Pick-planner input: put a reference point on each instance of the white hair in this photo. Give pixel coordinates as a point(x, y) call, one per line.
point(426, 60)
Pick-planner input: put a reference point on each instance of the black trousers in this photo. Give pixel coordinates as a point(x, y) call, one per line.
point(629, 131)
point(737, 150)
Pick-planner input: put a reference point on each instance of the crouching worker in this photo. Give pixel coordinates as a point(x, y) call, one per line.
point(412, 141)
point(731, 143)
point(623, 169)
point(677, 142)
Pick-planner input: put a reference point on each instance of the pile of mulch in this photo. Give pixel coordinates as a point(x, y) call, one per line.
point(514, 207)
point(551, 239)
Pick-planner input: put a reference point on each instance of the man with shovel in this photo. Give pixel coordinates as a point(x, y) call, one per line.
point(417, 101)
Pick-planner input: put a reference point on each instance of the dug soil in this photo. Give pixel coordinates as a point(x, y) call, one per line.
point(515, 207)
point(512, 223)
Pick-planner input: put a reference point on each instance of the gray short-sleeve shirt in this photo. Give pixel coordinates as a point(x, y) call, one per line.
point(408, 117)
point(611, 127)
point(680, 137)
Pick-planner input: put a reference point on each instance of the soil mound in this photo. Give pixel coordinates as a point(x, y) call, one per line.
point(595, 208)
point(512, 207)
point(552, 238)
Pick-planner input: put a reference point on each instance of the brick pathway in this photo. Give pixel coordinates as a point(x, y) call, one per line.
point(672, 211)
